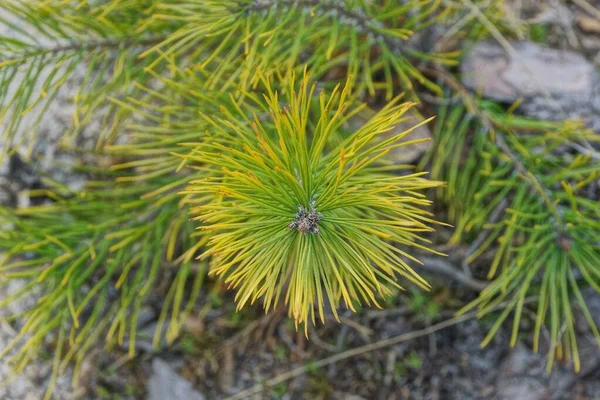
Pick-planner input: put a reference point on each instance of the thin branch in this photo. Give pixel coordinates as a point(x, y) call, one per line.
point(535, 181)
point(483, 235)
point(83, 46)
point(388, 312)
point(362, 350)
point(584, 5)
point(356, 18)
point(489, 124)
point(444, 267)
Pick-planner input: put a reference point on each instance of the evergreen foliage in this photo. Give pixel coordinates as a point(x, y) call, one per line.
point(341, 206)
point(527, 195)
point(205, 126)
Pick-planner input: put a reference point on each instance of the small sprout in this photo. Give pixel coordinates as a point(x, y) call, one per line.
point(414, 360)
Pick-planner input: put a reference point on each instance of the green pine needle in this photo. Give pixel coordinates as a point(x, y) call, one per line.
point(293, 212)
point(526, 199)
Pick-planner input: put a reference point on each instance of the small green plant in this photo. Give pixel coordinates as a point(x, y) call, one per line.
point(399, 370)
point(297, 209)
point(280, 390)
point(411, 363)
point(539, 33)
point(414, 361)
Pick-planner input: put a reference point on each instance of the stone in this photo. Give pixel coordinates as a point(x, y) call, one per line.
point(165, 383)
point(554, 84)
point(533, 70)
point(522, 376)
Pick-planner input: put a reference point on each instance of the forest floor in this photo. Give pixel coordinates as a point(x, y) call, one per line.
point(413, 348)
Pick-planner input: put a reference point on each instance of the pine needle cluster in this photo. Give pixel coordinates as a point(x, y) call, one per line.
point(525, 199)
point(295, 208)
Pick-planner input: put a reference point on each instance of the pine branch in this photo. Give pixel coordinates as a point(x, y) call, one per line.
point(291, 208)
point(327, 36)
point(545, 194)
point(86, 47)
point(101, 41)
point(489, 127)
point(295, 210)
point(546, 230)
point(358, 18)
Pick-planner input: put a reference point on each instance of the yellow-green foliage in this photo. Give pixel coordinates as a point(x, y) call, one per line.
point(297, 209)
point(200, 118)
point(525, 199)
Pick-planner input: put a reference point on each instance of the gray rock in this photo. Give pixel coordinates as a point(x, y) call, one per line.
point(522, 376)
point(166, 384)
point(592, 301)
point(532, 71)
point(555, 84)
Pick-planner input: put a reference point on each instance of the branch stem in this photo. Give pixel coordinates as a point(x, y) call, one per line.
point(362, 350)
point(89, 46)
point(359, 18)
point(488, 124)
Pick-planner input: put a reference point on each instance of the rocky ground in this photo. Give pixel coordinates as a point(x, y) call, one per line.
point(224, 352)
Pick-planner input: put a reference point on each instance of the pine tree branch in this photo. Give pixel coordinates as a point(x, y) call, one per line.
point(327, 6)
point(535, 181)
point(489, 124)
point(357, 19)
point(83, 46)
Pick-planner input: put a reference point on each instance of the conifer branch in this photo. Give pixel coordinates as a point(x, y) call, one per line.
point(356, 18)
point(489, 124)
point(290, 215)
point(539, 248)
point(534, 180)
point(291, 207)
point(86, 47)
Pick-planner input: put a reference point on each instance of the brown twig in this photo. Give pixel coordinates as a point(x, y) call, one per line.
point(84, 46)
point(361, 350)
point(444, 267)
point(389, 312)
